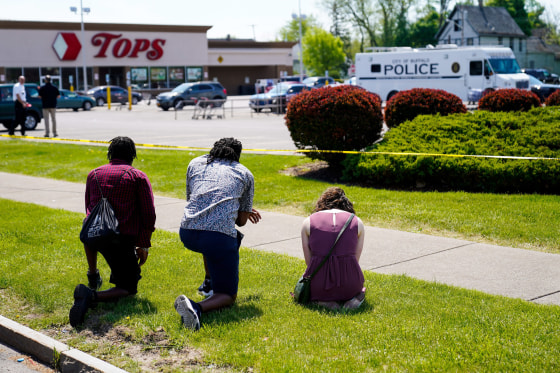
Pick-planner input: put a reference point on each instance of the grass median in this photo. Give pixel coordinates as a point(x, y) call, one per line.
point(404, 325)
point(527, 221)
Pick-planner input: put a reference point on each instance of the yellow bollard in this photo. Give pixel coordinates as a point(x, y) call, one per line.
point(71, 88)
point(109, 97)
point(129, 98)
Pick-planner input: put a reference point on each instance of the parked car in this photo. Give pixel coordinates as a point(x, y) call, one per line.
point(190, 94)
point(72, 100)
point(543, 90)
point(543, 75)
point(118, 95)
point(34, 113)
point(318, 81)
point(276, 98)
point(295, 90)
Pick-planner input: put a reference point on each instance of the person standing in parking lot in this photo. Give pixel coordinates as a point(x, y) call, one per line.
point(20, 103)
point(49, 94)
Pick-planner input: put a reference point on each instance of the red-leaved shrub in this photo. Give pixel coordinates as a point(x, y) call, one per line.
point(553, 99)
point(334, 118)
point(509, 99)
point(407, 105)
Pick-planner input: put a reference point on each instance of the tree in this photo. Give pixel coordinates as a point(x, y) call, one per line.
point(323, 52)
point(535, 12)
point(362, 16)
point(290, 32)
point(424, 30)
point(340, 29)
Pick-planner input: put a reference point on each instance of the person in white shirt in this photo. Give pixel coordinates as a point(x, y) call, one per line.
point(20, 104)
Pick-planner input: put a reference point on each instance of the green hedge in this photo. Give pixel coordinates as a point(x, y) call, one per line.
point(532, 134)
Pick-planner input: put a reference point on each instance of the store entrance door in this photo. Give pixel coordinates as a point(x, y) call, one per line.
point(55, 80)
point(110, 75)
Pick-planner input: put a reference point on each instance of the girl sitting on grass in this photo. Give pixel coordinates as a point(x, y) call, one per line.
point(339, 282)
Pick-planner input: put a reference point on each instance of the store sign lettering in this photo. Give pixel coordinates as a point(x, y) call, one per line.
point(122, 47)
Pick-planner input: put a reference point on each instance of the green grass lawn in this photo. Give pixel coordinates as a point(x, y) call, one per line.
point(404, 325)
point(524, 221)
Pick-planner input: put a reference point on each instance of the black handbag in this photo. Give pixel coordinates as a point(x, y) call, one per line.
point(302, 291)
point(101, 227)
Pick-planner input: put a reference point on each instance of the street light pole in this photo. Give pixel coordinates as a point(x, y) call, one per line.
point(300, 46)
point(82, 10)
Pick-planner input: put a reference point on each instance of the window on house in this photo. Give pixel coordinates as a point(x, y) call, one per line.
point(520, 44)
point(457, 25)
point(500, 40)
point(470, 41)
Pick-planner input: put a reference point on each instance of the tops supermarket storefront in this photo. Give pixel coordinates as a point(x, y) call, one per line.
point(150, 56)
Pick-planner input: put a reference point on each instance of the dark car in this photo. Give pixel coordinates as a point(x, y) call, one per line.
point(276, 98)
point(190, 94)
point(118, 95)
point(543, 90)
point(34, 113)
point(295, 90)
point(543, 75)
point(72, 100)
point(318, 81)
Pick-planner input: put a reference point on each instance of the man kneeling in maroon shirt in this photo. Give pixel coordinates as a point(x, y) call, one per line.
point(130, 193)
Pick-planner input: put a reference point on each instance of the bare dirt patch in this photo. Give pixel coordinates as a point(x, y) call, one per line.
point(315, 170)
point(153, 353)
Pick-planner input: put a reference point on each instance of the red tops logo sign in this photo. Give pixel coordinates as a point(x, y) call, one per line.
point(67, 46)
point(123, 47)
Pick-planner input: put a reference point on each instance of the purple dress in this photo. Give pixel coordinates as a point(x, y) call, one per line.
point(341, 277)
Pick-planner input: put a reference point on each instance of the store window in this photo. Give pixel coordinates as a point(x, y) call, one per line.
point(194, 74)
point(13, 73)
point(176, 76)
point(32, 75)
point(79, 85)
point(68, 78)
point(139, 76)
point(158, 77)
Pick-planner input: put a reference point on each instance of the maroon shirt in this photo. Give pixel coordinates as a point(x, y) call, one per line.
point(131, 198)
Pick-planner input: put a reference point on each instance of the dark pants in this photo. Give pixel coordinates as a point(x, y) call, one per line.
point(19, 119)
point(121, 258)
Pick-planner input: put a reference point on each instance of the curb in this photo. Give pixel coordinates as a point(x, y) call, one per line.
point(44, 348)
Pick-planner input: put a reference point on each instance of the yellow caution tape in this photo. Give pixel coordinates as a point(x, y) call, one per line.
point(298, 150)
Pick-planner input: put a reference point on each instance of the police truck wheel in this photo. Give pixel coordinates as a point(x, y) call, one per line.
point(391, 94)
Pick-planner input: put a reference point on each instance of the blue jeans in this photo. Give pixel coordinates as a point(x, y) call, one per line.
point(222, 256)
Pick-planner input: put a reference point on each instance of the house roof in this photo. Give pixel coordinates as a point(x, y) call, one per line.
point(486, 21)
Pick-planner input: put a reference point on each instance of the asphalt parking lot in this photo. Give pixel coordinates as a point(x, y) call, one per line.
point(147, 124)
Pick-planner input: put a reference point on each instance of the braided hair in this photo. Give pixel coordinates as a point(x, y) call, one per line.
point(334, 198)
point(226, 148)
point(122, 147)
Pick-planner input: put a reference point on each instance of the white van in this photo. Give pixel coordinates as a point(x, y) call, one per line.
point(463, 71)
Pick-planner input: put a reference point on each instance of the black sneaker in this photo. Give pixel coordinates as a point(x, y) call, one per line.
point(83, 297)
point(94, 281)
point(189, 316)
point(206, 288)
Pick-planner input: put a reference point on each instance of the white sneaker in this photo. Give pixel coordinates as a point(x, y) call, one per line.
point(189, 317)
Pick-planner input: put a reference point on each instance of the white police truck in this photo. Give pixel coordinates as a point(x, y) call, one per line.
point(468, 72)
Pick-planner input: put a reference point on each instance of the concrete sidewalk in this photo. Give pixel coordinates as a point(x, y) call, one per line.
point(511, 272)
